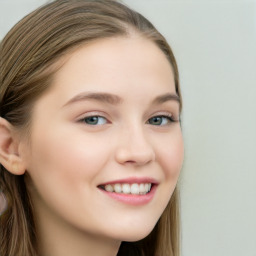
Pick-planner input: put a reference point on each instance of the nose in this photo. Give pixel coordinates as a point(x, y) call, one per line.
point(134, 148)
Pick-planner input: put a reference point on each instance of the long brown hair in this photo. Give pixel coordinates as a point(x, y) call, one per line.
point(27, 57)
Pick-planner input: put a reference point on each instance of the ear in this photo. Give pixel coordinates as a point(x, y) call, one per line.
point(9, 149)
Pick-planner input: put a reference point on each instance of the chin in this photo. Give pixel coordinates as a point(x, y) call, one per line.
point(135, 234)
point(136, 237)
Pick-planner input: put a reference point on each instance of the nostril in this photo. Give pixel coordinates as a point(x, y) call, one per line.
point(135, 158)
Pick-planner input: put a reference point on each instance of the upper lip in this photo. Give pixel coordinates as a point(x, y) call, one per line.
point(132, 180)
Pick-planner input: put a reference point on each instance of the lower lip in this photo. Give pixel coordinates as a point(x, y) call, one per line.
point(132, 199)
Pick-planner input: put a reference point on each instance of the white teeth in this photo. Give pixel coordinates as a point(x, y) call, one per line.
point(142, 188)
point(147, 187)
point(109, 188)
point(126, 188)
point(117, 188)
point(135, 188)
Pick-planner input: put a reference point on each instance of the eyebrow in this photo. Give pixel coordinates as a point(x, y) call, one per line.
point(97, 96)
point(166, 97)
point(115, 100)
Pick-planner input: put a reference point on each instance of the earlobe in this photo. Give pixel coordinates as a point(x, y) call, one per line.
point(9, 145)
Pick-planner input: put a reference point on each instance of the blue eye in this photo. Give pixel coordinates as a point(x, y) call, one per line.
point(160, 120)
point(95, 120)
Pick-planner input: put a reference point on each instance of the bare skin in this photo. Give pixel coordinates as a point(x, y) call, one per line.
point(111, 114)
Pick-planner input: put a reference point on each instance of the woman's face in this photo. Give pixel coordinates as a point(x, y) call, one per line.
point(109, 122)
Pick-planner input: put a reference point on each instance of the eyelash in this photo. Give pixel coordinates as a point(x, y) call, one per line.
point(91, 117)
point(169, 119)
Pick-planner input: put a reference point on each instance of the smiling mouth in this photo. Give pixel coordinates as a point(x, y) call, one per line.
point(126, 188)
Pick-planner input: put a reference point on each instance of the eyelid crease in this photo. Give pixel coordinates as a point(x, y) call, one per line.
point(93, 113)
point(175, 117)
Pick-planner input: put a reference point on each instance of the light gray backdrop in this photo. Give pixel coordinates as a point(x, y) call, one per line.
point(215, 45)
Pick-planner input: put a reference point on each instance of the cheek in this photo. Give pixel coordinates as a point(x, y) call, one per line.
point(64, 168)
point(171, 156)
point(67, 160)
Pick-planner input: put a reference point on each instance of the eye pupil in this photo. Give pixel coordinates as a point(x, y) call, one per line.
point(91, 120)
point(155, 120)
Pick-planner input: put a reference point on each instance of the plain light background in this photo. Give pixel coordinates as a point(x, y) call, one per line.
point(215, 46)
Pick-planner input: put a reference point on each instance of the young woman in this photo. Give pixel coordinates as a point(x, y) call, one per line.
point(90, 139)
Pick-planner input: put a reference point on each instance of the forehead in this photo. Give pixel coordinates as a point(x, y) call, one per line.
point(119, 64)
